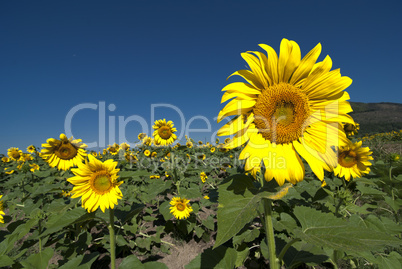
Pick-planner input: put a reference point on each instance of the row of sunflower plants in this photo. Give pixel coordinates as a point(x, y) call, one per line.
point(168, 198)
point(74, 206)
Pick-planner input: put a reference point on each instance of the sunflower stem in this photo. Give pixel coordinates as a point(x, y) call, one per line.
point(112, 240)
point(269, 233)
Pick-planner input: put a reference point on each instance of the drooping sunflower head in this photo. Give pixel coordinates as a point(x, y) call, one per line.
point(180, 208)
point(5, 159)
point(96, 182)
point(63, 153)
point(164, 132)
point(14, 153)
point(353, 160)
point(288, 108)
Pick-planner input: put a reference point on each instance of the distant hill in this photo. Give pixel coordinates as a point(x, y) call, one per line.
point(377, 117)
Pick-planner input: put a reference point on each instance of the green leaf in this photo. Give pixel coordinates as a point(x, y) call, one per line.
point(394, 204)
point(324, 229)
point(39, 260)
point(81, 261)
point(5, 261)
point(247, 236)
point(220, 257)
point(237, 207)
point(58, 221)
point(365, 190)
point(392, 261)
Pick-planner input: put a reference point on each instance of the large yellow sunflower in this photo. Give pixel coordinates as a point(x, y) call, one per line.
point(14, 153)
point(180, 208)
point(63, 153)
point(353, 160)
point(97, 183)
point(288, 107)
point(164, 132)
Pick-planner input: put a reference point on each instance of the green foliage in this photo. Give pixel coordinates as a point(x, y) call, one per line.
point(345, 223)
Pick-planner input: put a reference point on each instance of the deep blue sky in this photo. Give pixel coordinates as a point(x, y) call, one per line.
point(55, 55)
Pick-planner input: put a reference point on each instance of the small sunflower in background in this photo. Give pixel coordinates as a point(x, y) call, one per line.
point(114, 149)
point(34, 167)
point(213, 149)
point(63, 153)
point(124, 146)
point(351, 129)
point(5, 159)
point(1, 211)
point(96, 182)
point(189, 144)
point(14, 153)
point(31, 149)
point(147, 141)
point(201, 156)
point(164, 132)
point(154, 154)
point(147, 153)
point(141, 136)
point(203, 177)
point(353, 160)
point(180, 208)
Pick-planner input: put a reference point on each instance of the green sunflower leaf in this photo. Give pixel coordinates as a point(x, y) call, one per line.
point(237, 207)
point(220, 257)
point(39, 260)
point(326, 230)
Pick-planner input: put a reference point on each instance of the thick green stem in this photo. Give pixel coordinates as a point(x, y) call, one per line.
point(269, 232)
point(112, 240)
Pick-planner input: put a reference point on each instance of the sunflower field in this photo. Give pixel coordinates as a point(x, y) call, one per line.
point(292, 186)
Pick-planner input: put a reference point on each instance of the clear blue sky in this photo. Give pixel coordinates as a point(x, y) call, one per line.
point(56, 55)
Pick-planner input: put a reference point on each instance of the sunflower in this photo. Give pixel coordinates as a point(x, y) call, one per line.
point(34, 167)
point(8, 172)
point(288, 107)
point(164, 132)
point(31, 149)
point(353, 160)
point(201, 157)
point(14, 154)
point(189, 144)
point(114, 149)
point(124, 146)
point(180, 208)
point(213, 149)
point(154, 176)
point(63, 153)
point(147, 141)
point(96, 182)
point(1, 211)
point(154, 154)
point(203, 177)
point(147, 153)
point(141, 136)
point(351, 129)
point(5, 159)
